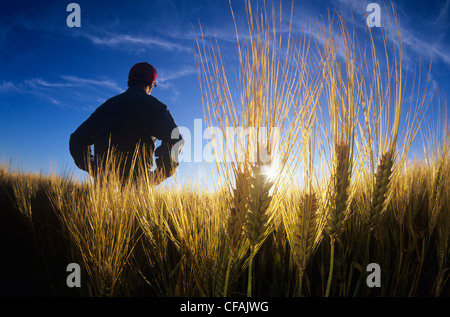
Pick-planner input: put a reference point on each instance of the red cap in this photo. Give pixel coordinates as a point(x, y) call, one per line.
point(144, 72)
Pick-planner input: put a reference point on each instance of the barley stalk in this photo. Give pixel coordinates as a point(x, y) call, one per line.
point(271, 98)
point(100, 226)
point(305, 233)
point(339, 193)
point(342, 104)
point(236, 219)
point(338, 212)
point(259, 215)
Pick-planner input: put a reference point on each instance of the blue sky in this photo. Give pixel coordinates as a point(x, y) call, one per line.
point(53, 77)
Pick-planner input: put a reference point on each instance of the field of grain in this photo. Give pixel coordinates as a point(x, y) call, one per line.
point(139, 241)
point(345, 127)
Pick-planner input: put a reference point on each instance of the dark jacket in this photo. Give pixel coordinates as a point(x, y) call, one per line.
point(123, 122)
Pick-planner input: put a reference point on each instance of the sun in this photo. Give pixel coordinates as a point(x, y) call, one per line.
point(272, 170)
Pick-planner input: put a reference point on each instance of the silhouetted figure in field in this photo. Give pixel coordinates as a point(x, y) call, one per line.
point(128, 122)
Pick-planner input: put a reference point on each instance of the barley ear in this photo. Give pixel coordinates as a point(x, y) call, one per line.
point(236, 218)
point(258, 213)
point(305, 232)
point(382, 188)
point(339, 192)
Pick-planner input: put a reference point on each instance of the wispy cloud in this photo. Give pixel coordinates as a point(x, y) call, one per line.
point(86, 90)
point(128, 41)
point(41, 83)
point(443, 16)
point(67, 82)
point(7, 87)
point(168, 76)
point(78, 81)
point(420, 47)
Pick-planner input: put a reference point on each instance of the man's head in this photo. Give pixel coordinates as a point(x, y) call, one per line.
point(142, 75)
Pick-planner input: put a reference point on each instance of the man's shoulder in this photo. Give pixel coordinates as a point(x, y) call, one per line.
point(156, 103)
point(115, 99)
point(147, 99)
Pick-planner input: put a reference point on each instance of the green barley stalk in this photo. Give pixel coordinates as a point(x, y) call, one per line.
point(342, 104)
point(306, 236)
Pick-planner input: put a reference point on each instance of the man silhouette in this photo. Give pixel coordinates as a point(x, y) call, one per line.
point(128, 122)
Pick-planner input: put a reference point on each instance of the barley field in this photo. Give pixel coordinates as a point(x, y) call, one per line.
point(337, 193)
point(138, 241)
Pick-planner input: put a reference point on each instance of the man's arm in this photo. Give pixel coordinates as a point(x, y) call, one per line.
point(80, 144)
point(167, 155)
point(172, 143)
